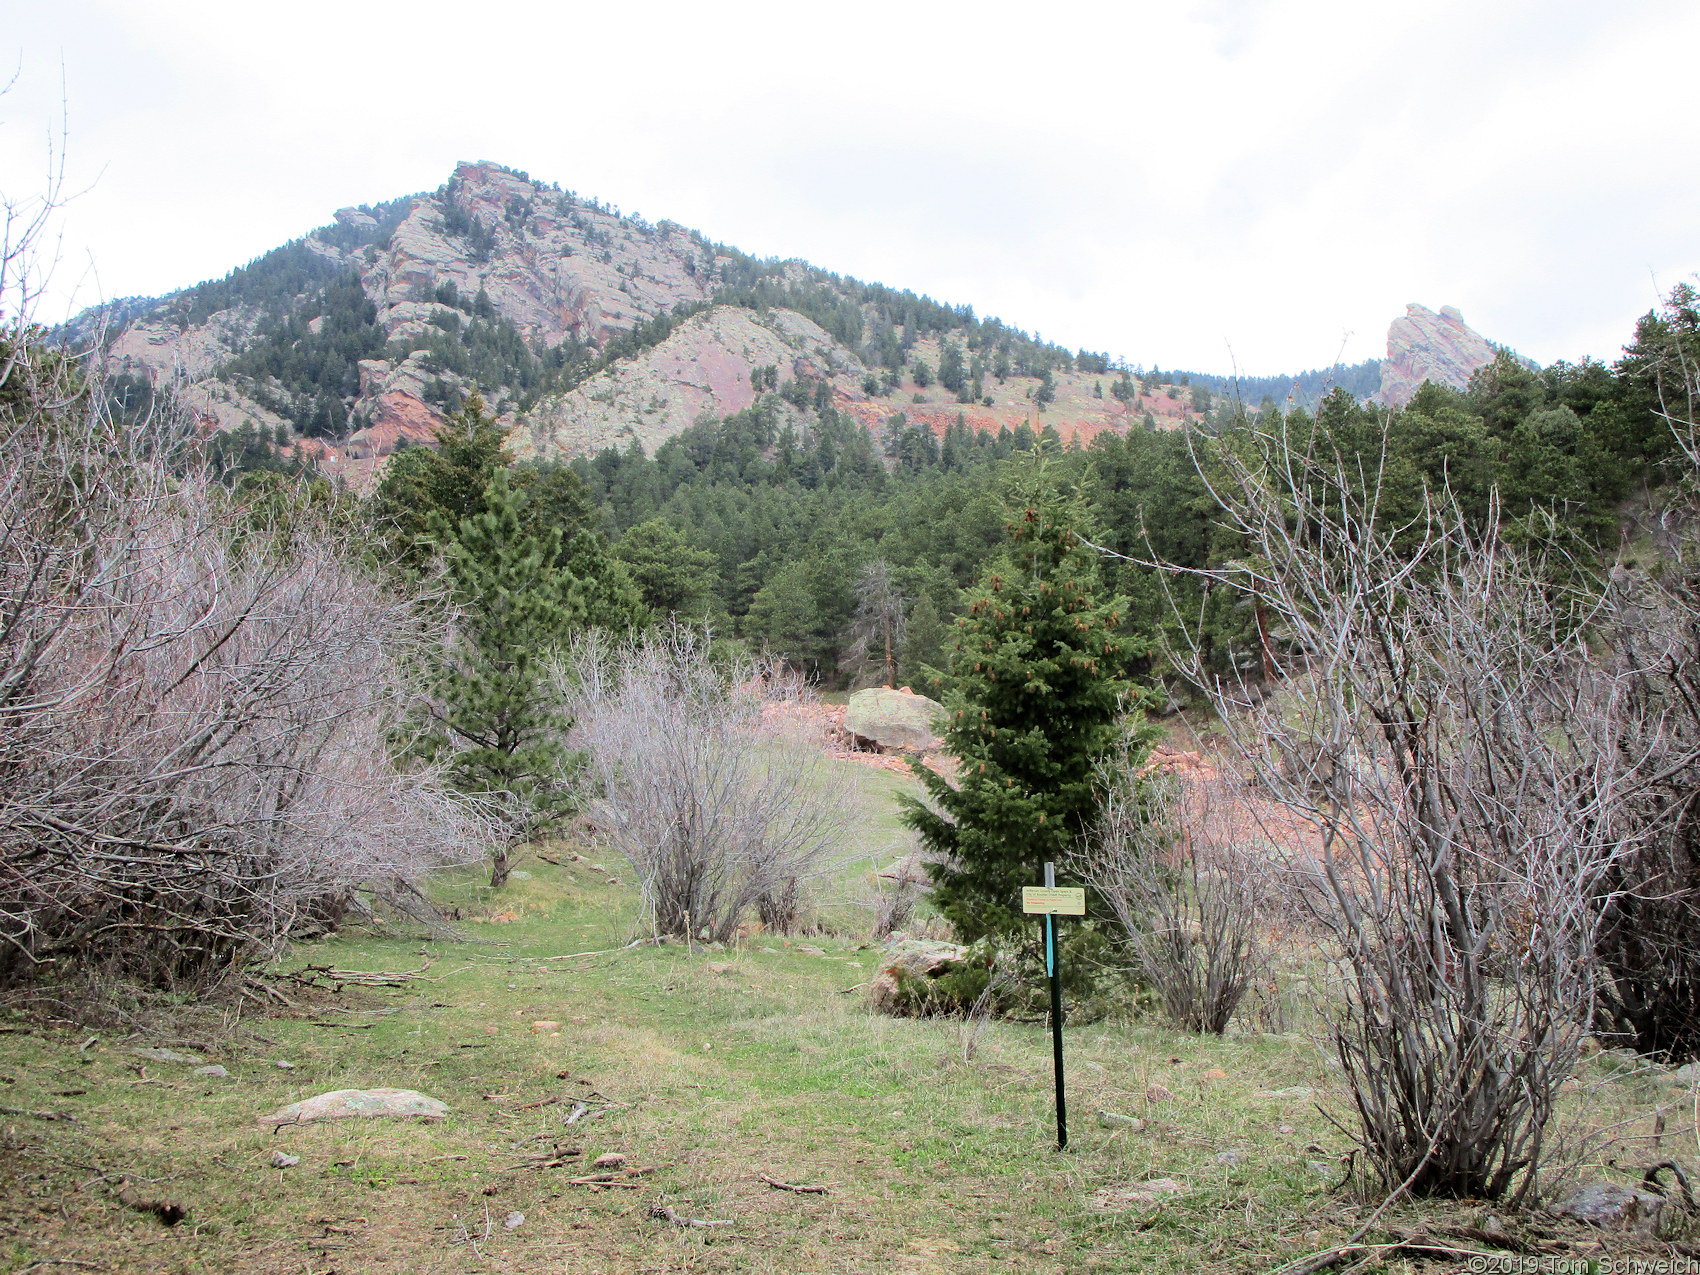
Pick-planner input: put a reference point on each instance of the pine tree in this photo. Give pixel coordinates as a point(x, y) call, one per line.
point(1039, 697)
point(923, 646)
point(877, 628)
point(950, 366)
point(495, 721)
point(449, 480)
point(1047, 390)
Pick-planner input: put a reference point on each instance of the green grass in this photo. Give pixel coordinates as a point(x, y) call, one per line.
point(933, 1162)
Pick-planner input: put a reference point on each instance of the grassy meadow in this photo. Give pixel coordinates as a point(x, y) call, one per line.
point(710, 1072)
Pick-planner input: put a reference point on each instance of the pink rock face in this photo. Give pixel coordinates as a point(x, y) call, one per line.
point(398, 416)
point(1425, 346)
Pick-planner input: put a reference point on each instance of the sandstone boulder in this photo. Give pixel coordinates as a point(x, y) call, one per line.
point(345, 1104)
point(913, 959)
point(893, 721)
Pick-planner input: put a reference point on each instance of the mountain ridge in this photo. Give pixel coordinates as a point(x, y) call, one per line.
point(585, 328)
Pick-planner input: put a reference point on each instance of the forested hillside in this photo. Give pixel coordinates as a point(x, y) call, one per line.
point(767, 521)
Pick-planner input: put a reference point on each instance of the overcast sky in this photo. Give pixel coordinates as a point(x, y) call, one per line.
point(1167, 181)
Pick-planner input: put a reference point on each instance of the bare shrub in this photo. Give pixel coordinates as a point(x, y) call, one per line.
point(1649, 939)
point(895, 907)
point(1649, 936)
point(1002, 979)
point(196, 703)
point(717, 816)
point(1188, 899)
point(1444, 726)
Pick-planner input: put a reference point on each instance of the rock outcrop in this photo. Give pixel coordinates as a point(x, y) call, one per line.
point(703, 368)
point(1425, 346)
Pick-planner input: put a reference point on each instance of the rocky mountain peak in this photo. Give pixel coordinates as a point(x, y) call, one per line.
point(1425, 346)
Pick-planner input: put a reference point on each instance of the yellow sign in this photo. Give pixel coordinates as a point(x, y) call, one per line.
point(1058, 900)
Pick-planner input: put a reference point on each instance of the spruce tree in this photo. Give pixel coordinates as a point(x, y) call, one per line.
point(495, 720)
point(1038, 698)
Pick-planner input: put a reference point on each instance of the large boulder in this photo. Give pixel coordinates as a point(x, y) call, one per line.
point(893, 721)
point(909, 965)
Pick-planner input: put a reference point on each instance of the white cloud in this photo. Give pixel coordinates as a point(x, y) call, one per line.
point(1159, 180)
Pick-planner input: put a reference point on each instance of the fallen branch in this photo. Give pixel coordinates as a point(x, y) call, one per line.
point(552, 1160)
point(664, 1214)
point(573, 956)
point(316, 975)
point(613, 1177)
point(777, 1185)
point(64, 1116)
point(1651, 1181)
point(600, 1180)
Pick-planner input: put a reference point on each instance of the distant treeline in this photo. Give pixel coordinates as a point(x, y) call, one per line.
point(1306, 390)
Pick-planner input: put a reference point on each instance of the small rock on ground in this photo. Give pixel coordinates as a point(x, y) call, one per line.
point(1140, 1195)
point(283, 1160)
point(343, 1104)
point(1115, 1120)
point(166, 1055)
point(514, 1220)
point(215, 1071)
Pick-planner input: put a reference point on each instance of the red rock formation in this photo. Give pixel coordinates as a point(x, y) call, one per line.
point(398, 416)
point(1425, 346)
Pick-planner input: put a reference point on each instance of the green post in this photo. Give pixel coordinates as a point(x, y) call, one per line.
point(1053, 967)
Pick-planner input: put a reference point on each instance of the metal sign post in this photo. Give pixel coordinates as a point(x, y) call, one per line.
point(1052, 901)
